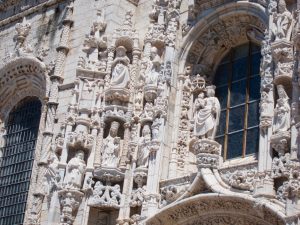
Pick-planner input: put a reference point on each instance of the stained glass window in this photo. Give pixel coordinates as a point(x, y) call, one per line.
point(16, 163)
point(237, 83)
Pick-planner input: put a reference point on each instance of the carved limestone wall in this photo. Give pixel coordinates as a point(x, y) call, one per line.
point(129, 117)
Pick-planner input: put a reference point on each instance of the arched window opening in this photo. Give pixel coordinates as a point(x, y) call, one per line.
point(17, 161)
point(237, 82)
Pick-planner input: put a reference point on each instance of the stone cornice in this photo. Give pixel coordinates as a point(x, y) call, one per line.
point(25, 12)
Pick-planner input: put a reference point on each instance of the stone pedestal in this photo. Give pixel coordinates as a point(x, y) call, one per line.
point(208, 153)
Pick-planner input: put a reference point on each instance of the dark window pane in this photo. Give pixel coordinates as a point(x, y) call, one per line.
point(239, 69)
point(241, 51)
point(222, 123)
point(238, 93)
point(220, 140)
point(235, 145)
point(254, 88)
point(15, 169)
point(255, 63)
point(236, 118)
point(221, 77)
point(253, 114)
point(221, 94)
point(252, 140)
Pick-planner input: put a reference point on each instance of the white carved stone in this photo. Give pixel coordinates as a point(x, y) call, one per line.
point(105, 196)
point(208, 153)
point(75, 171)
point(206, 114)
point(111, 147)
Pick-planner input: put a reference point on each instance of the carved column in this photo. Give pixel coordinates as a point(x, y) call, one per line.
point(174, 156)
point(295, 122)
point(125, 145)
point(97, 159)
point(264, 187)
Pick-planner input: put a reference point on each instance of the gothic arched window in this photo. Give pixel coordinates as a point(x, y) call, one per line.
point(17, 160)
point(237, 82)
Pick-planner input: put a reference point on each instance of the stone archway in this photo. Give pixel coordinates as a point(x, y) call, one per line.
point(214, 35)
point(21, 77)
point(216, 209)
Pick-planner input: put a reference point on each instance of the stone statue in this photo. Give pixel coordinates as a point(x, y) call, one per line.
point(155, 128)
point(111, 147)
point(143, 151)
point(282, 21)
point(75, 171)
point(206, 114)
point(120, 74)
point(153, 68)
point(282, 112)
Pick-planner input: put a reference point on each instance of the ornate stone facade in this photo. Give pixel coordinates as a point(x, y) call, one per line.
point(130, 125)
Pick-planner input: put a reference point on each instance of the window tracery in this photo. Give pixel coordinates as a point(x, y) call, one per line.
point(237, 83)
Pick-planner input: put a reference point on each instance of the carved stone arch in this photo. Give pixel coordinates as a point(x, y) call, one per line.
point(214, 35)
point(19, 78)
point(218, 210)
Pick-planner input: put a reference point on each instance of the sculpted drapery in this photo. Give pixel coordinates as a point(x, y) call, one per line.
point(75, 171)
point(206, 114)
point(111, 147)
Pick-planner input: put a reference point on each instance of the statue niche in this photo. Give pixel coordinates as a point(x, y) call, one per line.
point(151, 76)
point(75, 171)
point(282, 112)
point(280, 140)
point(119, 83)
point(111, 147)
point(120, 74)
point(144, 147)
point(282, 21)
point(153, 68)
point(206, 114)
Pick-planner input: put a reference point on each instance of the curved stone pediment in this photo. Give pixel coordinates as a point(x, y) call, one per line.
point(217, 209)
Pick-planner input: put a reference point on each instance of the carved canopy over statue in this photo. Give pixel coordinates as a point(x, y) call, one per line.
point(120, 74)
point(153, 68)
point(206, 114)
point(75, 171)
point(111, 147)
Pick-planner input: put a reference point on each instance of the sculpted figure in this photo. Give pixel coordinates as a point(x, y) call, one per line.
point(155, 128)
point(75, 171)
point(206, 114)
point(282, 20)
point(282, 112)
point(120, 74)
point(153, 68)
point(111, 147)
point(143, 151)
